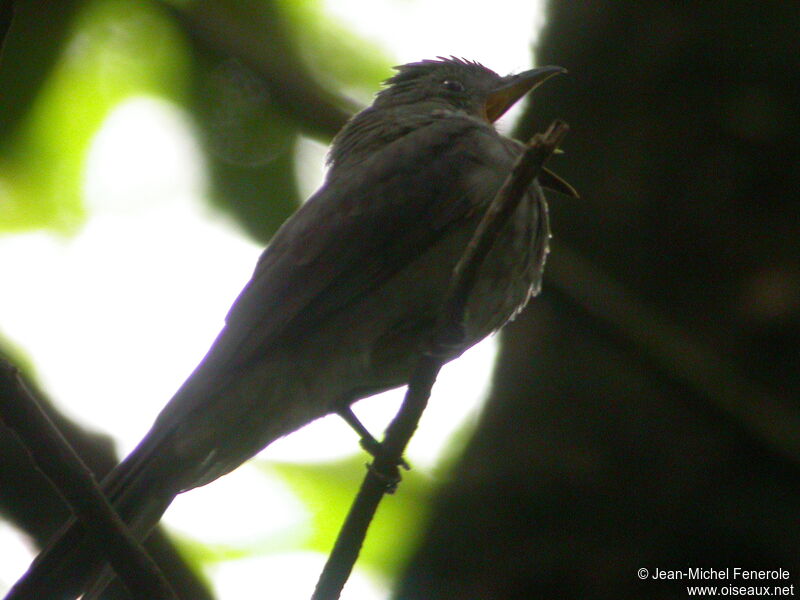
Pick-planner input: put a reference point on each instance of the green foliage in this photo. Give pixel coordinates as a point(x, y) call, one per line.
point(16, 356)
point(333, 51)
point(327, 490)
point(68, 64)
point(249, 144)
point(198, 553)
point(109, 50)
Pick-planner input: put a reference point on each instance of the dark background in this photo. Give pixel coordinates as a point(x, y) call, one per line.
point(644, 411)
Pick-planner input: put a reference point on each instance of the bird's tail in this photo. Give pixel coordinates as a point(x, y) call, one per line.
point(73, 559)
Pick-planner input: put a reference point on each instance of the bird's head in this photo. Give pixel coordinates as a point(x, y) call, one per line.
point(427, 90)
point(455, 84)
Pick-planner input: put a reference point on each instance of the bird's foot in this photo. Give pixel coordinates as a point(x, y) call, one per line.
point(387, 473)
point(368, 441)
point(377, 450)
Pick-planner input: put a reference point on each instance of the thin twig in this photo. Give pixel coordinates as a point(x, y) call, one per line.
point(448, 331)
point(61, 465)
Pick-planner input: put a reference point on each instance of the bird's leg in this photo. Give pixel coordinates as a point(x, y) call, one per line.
point(367, 441)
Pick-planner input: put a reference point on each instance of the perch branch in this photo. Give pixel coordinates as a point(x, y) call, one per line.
point(449, 331)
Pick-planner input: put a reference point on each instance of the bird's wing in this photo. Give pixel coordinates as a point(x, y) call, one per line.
point(357, 231)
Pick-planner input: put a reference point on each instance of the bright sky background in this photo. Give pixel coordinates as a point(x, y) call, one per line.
point(88, 308)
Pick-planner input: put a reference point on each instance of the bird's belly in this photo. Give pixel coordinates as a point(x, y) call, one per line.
point(395, 322)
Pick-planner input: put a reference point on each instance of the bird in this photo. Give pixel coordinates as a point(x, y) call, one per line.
point(344, 297)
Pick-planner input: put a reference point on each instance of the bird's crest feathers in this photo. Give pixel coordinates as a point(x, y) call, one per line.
point(410, 73)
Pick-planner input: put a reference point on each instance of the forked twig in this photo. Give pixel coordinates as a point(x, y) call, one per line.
point(56, 459)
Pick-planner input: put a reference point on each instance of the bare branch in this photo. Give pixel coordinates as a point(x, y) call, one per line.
point(74, 481)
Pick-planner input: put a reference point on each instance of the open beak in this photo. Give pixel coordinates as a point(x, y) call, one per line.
point(514, 87)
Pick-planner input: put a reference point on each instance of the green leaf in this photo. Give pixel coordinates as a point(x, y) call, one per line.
point(249, 145)
point(328, 490)
point(112, 49)
point(334, 52)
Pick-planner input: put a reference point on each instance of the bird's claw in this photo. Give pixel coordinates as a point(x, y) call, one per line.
point(368, 441)
point(377, 450)
point(387, 474)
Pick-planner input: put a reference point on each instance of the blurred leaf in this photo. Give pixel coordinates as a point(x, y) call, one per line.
point(334, 52)
point(200, 554)
point(245, 128)
point(113, 49)
point(328, 490)
point(456, 445)
point(249, 145)
point(255, 33)
point(261, 197)
point(32, 21)
point(255, 89)
point(12, 352)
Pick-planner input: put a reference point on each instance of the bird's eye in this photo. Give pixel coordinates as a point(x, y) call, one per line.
point(453, 85)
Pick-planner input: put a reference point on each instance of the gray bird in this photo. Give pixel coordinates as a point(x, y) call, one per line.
point(345, 296)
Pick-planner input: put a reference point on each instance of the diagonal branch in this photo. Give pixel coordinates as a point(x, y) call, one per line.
point(59, 463)
point(448, 331)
